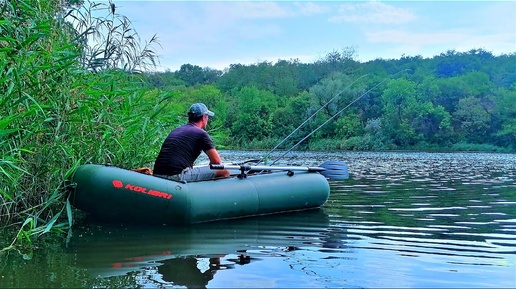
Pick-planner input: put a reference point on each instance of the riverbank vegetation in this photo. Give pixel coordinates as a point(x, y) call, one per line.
point(63, 105)
point(76, 88)
point(456, 101)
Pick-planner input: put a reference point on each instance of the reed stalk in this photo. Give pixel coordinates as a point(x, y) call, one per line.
point(56, 114)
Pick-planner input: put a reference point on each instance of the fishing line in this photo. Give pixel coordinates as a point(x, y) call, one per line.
point(339, 112)
point(309, 118)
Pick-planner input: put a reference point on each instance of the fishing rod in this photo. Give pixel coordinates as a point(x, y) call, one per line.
point(333, 116)
point(309, 118)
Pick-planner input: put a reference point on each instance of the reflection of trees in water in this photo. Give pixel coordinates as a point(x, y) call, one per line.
point(188, 271)
point(198, 271)
point(183, 258)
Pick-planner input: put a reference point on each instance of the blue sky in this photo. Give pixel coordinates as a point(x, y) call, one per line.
point(216, 34)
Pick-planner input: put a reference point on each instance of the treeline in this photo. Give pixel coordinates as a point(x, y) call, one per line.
point(452, 101)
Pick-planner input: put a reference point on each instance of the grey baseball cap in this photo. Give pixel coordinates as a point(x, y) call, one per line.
point(199, 109)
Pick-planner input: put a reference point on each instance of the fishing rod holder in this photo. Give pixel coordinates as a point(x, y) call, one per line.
point(243, 169)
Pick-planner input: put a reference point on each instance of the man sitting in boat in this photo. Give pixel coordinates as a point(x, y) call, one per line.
point(183, 146)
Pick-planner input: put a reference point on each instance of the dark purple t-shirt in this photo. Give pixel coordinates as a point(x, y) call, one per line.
point(181, 148)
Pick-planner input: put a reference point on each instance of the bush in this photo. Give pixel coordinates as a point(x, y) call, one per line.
point(469, 147)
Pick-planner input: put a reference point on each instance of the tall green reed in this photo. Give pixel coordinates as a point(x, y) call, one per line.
point(54, 116)
point(109, 39)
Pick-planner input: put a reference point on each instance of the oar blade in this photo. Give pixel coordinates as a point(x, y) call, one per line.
point(335, 170)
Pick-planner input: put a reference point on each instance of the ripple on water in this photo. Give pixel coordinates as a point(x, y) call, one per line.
point(455, 220)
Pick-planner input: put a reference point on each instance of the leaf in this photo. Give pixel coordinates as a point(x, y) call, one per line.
point(69, 213)
point(50, 224)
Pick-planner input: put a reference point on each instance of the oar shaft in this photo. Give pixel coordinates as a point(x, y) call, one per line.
point(260, 168)
point(335, 170)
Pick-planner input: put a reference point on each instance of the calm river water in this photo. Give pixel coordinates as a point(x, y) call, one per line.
point(413, 220)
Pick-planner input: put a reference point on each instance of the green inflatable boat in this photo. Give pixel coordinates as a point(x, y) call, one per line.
point(112, 193)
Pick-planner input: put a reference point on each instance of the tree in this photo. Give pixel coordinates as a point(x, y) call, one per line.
point(328, 98)
point(399, 102)
point(505, 112)
point(347, 126)
point(251, 115)
point(472, 120)
point(164, 80)
point(433, 123)
point(193, 74)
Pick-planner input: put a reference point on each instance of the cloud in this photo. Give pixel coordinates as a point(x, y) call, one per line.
point(407, 37)
point(246, 10)
point(429, 43)
point(372, 12)
point(310, 8)
point(218, 33)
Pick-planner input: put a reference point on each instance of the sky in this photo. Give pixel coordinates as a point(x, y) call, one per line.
point(216, 34)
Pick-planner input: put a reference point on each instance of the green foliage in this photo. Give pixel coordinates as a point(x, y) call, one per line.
point(108, 39)
point(505, 114)
point(250, 116)
point(164, 80)
point(348, 126)
point(424, 103)
point(463, 146)
point(472, 119)
point(433, 123)
point(193, 74)
point(56, 116)
point(366, 142)
point(400, 107)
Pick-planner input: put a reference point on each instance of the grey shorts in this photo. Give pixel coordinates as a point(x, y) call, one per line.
point(197, 173)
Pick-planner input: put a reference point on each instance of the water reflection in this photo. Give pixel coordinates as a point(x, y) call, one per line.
point(191, 256)
point(403, 220)
point(185, 271)
point(452, 212)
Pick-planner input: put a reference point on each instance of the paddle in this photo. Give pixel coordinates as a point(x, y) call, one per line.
point(335, 170)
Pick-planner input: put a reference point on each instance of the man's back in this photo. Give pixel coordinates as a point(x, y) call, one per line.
point(181, 148)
